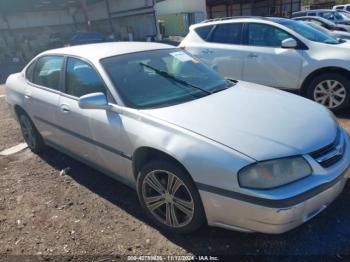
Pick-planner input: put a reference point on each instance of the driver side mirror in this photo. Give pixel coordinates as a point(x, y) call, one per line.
point(289, 43)
point(94, 101)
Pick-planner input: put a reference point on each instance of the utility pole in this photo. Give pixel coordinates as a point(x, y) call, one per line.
point(109, 16)
point(156, 20)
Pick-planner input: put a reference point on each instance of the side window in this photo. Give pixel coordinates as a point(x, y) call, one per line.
point(82, 79)
point(317, 22)
point(327, 15)
point(30, 71)
point(311, 14)
point(266, 35)
point(204, 31)
point(48, 71)
point(227, 34)
point(348, 8)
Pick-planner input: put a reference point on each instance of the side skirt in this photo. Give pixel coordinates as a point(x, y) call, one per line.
point(93, 165)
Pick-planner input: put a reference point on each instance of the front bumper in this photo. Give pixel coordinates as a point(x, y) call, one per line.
point(229, 213)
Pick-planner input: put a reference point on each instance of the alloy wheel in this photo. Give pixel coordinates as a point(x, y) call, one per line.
point(330, 93)
point(167, 198)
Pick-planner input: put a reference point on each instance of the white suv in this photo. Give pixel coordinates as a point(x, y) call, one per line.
point(276, 52)
point(342, 7)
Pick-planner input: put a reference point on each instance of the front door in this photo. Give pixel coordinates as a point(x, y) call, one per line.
point(266, 62)
point(94, 135)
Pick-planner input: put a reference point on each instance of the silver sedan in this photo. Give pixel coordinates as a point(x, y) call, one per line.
point(197, 148)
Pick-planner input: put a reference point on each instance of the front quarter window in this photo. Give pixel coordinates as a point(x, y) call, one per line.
point(161, 78)
point(82, 79)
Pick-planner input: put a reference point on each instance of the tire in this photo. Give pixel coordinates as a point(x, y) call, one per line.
point(30, 134)
point(172, 215)
point(331, 90)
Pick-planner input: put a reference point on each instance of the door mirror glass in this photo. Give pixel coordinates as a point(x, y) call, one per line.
point(94, 101)
point(289, 43)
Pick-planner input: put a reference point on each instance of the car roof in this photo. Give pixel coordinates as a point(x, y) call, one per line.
point(95, 52)
point(313, 17)
point(236, 19)
point(315, 11)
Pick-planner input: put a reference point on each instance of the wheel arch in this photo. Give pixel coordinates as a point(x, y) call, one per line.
point(317, 72)
point(144, 154)
point(18, 109)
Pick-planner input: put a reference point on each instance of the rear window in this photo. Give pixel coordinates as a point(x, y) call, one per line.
point(48, 71)
point(227, 34)
point(30, 71)
point(204, 31)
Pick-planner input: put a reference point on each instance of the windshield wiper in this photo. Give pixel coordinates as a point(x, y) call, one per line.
point(170, 76)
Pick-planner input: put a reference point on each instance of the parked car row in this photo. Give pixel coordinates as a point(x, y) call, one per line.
point(199, 146)
point(324, 23)
point(336, 16)
point(336, 34)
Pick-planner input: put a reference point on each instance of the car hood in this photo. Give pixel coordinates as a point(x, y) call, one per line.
point(260, 122)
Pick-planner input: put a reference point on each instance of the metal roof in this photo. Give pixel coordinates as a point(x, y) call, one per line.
point(95, 52)
point(18, 6)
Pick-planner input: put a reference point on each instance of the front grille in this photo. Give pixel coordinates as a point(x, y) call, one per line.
point(330, 154)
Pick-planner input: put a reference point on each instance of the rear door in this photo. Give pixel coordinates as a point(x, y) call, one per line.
point(222, 49)
point(42, 93)
point(266, 62)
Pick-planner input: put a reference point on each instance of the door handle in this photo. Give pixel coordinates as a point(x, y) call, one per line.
point(27, 95)
point(64, 109)
point(207, 51)
point(253, 55)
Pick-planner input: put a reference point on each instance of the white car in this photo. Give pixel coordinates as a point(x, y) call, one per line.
point(342, 7)
point(276, 52)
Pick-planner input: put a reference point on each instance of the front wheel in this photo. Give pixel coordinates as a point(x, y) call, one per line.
point(331, 90)
point(169, 197)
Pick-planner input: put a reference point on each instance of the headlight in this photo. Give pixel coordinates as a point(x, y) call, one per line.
point(274, 173)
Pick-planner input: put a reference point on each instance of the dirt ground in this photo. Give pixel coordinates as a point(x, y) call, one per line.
point(79, 211)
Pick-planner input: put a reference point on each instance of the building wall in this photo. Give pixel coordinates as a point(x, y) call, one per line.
point(35, 19)
point(26, 34)
point(259, 8)
point(180, 6)
point(175, 16)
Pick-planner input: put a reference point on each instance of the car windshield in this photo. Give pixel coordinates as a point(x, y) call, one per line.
point(345, 15)
point(160, 78)
point(335, 15)
point(309, 32)
point(318, 27)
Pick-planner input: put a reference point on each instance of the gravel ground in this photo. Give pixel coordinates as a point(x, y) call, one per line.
point(79, 211)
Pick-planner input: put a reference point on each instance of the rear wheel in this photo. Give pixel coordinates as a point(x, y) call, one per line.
point(169, 197)
point(331, 90)
point(30, 134)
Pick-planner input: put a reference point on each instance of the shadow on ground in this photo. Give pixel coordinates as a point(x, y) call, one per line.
point(327, 234)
